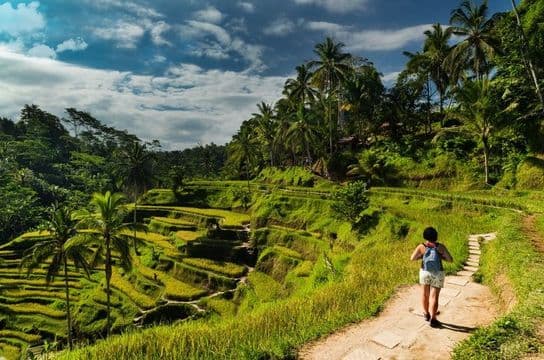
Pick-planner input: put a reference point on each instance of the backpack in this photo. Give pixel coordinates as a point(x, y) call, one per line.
point(432, 260)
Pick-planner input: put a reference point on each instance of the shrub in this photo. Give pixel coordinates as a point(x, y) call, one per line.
point(351, 201)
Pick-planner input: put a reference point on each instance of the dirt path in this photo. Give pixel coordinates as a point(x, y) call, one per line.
point(400, 331)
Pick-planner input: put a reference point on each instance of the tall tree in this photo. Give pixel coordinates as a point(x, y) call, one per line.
point(332, 67)
point(478, 111)
point(525, 54)
point(242, 150)
point(303, 132)
point(109, 231)
point(300, 90)
point(266, 127)
point(479, 44)
point(61, 246)
point(136, 175)
point(436, 49)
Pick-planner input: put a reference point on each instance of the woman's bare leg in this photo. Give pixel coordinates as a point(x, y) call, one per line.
point(425, 298)
point(435, 293)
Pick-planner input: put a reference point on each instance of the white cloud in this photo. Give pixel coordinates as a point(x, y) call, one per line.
point(125, 34)
point(156, 32)
point(339, 6)
point(371, 40)
point(391, 77)
point(42, 51)
point(77, 44)
point(22, 19)
point(280, 27)
point(187, 104)
point(217, 43)
point(159, 59)
point(209, 14)
point(246, 6)
point(129, 6)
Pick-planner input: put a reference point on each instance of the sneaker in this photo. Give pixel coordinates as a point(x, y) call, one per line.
point(435, 323)
point(427, 316)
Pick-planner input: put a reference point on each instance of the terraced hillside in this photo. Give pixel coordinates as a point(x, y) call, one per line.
point(262, 282)
point(189, 263)
point(315, 272)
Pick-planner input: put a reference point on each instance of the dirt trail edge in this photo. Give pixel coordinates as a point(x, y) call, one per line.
point(400, 331)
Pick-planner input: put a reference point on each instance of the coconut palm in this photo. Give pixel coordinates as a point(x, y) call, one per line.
point(108, 230)
point(436, 49)
point(478, 111)
point(332, 67)
point(479, 45)
point(242, 150)
point(60, 246)
point(300, 90)
point(302, 131)
point(266, 127)
point(136, 173)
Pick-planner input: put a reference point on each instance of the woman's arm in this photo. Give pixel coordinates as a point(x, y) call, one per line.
point(445, 253)
point(417, 254)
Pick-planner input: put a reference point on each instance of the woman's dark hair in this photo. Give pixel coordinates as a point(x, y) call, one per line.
point(430, 234)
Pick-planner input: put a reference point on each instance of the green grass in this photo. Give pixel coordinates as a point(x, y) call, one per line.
point(220, 267)
point(161, 241)
point(511, 263)
point(33, 308)
point(126, 287)
point(28, 338)
point(174, 289)
point(273, 326)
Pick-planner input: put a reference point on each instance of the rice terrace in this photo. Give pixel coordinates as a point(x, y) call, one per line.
point(378, 194)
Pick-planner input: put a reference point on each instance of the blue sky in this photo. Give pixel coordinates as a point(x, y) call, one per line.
point(189, 71)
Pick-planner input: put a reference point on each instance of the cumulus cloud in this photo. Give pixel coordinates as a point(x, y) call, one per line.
point(125, 34)
point(217, 43)
point(338, 6)
point(280, 27)
point(77, 44)
point(246, 6)
point(187, 103)
point(42, 51)
point(371, 40)
point(157, 31)
point(209, 14)
point(22, 19)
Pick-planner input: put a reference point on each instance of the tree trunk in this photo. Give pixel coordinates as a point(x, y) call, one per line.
point(108, 279)
point(526, 56)
point(134, 219)
point(486, 159)
point(308, 153)
point(68, 313)
point(429, 120)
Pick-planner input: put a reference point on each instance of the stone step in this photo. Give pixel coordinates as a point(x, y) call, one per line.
point(457, 280)
point(474, 252)
point(387, 339)
point(465, 273)
point(444, 300)
point(470, 268)
point(451, 292)
point(472, 263)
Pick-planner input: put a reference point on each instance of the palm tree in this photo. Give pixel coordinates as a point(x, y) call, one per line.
point(420, 65)
point(108, 230)
point(302, 131)
point(478, 112)
point(136, 175)
point(525, 55)
point(61, 246)
point(436, 49)
point(300, 90)
point(471, 22)
point(331, 69)
point(266, 127)
point(242, 150)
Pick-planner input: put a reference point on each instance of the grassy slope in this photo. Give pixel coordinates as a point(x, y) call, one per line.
point(278, 327)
